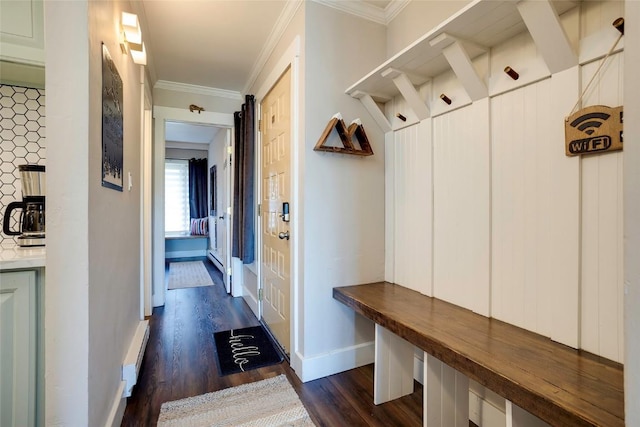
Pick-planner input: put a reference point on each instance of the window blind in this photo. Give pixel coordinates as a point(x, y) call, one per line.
point(176, 199)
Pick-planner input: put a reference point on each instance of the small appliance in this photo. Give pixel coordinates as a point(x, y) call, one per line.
point(31, 221)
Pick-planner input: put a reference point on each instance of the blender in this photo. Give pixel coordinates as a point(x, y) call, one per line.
point(31, 233)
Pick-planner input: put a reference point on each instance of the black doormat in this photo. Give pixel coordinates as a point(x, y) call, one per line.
point(244, 349)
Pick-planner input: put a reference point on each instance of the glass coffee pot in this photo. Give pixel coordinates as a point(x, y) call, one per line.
point(32, 206)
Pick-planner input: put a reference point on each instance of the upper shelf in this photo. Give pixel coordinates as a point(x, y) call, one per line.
point(479, 26)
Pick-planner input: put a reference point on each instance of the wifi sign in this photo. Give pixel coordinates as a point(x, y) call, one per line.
point(594, 129)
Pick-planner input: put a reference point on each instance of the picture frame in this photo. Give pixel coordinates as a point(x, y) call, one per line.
point(112, 128)
point(213, 189)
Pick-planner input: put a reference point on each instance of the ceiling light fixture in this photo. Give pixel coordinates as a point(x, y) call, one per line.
point(132, 34)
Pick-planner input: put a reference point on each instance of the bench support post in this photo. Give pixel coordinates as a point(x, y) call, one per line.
point(518, 417)
point(393, 369)
point(446, 395)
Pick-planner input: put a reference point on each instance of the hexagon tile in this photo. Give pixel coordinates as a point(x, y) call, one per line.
point(22, 141)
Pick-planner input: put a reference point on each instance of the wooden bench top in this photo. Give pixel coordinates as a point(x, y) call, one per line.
point(561, 385)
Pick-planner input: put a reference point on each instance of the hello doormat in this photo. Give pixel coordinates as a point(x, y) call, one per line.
point(241, 350)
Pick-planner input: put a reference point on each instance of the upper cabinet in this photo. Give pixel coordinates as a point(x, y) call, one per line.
point(459, 44)
point(22, 32)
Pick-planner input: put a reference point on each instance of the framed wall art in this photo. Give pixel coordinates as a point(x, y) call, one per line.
point(213, 189)
point(112, 130)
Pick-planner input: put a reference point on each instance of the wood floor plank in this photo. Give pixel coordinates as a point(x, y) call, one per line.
point(180, 361)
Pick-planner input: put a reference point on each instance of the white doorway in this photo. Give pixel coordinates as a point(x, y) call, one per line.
point(162, 116)
point(220, 225)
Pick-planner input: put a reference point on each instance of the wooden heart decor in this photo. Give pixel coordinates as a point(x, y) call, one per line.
point(592, 130)
point(346, 136)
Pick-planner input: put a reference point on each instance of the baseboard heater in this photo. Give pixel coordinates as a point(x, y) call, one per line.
point(133, 361)
point(214, 259)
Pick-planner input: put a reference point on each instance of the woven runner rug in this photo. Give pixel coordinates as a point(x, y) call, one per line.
point(271, 402)
point(188, 274)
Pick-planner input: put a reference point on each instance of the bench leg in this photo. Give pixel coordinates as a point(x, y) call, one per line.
point(518, 417)
point(446, 395)
point(393, 369)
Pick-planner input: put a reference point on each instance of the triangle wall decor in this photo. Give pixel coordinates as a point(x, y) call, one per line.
point(346, 136)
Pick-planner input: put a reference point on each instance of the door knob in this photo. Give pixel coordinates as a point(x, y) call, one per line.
point(284, 235)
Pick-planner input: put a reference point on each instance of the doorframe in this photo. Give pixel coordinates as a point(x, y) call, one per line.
point(228, 183)
point(290, 59)
point(162, 115)
point(146, 195)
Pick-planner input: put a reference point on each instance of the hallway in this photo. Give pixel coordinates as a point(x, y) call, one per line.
point(180, 362)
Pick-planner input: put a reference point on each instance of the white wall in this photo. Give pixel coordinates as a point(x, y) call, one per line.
point(343, 194)
point(631, 214)
point(92, 294)
point(461, 217)
point(67, 264)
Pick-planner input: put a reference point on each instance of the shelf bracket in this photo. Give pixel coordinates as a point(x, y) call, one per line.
point(408, 91)
point(547, 32)
point(461, 65)
point(373, 109)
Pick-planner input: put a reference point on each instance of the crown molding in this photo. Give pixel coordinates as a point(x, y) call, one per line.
point(361, 9)
point(394, 8)
point(199, 90)
point(368, 11)
point(287, 14)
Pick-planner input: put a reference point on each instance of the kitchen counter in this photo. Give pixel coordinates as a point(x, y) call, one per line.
point(16, 257)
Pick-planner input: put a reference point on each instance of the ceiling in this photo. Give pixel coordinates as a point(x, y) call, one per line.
point(216, 44)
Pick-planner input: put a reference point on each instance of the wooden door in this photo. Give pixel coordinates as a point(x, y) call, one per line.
point(276, 183)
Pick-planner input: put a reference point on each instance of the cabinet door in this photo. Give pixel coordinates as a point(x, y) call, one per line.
point(17, 348)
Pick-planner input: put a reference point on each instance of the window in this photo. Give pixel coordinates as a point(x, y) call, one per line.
point(176, 196)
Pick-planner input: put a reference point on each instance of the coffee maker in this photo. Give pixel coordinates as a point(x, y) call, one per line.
point(31, 221)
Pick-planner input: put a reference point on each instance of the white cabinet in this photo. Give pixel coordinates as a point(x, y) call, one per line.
point(18, 352)
point(22, 32)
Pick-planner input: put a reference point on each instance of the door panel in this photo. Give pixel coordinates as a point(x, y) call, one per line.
point(276, 179)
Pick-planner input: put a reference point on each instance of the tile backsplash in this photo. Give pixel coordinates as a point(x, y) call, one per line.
point(22, 141)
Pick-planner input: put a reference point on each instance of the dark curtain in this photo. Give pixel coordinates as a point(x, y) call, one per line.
point(198, 188)
point(243, 245)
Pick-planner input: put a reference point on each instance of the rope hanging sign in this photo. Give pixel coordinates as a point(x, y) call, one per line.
point(598, 128)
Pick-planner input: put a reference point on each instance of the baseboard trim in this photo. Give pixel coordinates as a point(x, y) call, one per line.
point(344, 359)
point(117, 409)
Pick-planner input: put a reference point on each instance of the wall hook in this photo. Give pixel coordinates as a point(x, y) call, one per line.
point(445, 98)
point(619, 24)
point(512, 73)
point(401, 117)
point(194, 107)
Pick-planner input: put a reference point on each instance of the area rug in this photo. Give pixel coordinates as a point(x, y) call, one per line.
point(241, 350)
point(188, 274)
point(270, 402)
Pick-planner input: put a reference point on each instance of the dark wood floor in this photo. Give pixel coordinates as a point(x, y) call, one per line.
point(180, 362)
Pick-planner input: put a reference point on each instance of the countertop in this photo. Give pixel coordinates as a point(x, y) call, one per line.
point(16, 257)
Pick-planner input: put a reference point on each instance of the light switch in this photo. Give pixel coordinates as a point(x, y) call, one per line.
point(130, 181)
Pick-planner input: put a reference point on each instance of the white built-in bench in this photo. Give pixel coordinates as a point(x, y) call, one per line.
point(183, 245)
point(558, 384)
